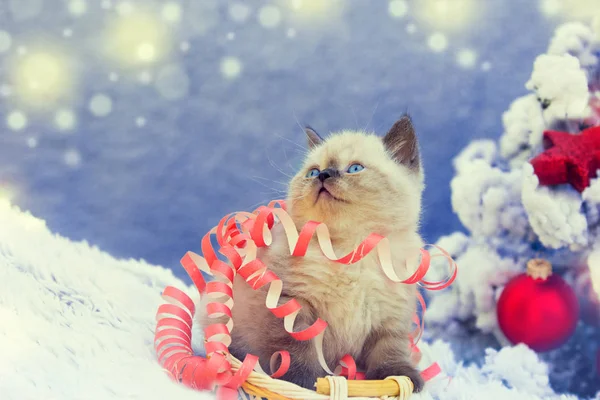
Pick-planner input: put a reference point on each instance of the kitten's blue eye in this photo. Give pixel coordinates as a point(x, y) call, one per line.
point(354, 168)
point(312, 173)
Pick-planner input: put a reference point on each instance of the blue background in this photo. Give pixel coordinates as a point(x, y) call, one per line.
point(152, 190)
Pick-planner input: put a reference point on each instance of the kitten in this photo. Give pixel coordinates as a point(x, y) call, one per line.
point(356, 183)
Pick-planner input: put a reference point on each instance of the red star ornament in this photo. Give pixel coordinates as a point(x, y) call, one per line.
point(569, 158)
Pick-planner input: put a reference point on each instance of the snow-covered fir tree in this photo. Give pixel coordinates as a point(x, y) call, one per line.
point(511, 218)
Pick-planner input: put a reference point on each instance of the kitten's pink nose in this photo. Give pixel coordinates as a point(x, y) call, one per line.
point(328, 173)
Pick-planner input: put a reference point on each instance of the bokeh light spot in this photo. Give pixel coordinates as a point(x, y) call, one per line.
point(100, 105)
point(447, 15)
point(437, 42)
point(16, 120)
point(231, 67)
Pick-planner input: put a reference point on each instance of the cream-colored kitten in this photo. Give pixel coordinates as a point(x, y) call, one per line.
point(356, 183)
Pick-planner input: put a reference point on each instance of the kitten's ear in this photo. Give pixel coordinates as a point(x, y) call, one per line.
point(401, 143)
point(312, 137)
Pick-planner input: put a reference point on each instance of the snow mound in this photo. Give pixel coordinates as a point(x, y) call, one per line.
point(76, 322)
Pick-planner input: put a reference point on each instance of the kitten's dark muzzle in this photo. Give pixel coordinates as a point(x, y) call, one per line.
point(328, 173)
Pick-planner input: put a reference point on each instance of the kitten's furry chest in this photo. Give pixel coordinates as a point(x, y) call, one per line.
point(353, 299)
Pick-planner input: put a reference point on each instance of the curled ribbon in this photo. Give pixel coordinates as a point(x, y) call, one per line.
point(239, 235)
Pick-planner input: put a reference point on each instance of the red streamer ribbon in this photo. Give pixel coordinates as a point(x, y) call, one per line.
point(239, 235)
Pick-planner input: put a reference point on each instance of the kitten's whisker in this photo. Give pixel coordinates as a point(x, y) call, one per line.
point(261, 183)
point(372, 115)
point(271, 180)
point(298, 122)
point(302, 148)
point(355, 117)
point(277, 168)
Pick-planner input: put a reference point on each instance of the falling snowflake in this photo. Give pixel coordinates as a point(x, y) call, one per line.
point(100, 105)
point(269, 16)
point(72, 158)
point(65, 119)
point(437, 42)
point(466, 58)
point(16, 120)
point(231, 67)
point(398, 8)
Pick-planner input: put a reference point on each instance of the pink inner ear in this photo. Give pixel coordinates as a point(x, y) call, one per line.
point(313, 138)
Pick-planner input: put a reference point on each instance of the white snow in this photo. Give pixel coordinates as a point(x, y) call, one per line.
point(523, 130)
point(481, 272)
point(559, 81)
point(78, 323)
point(554, 215)
point(513, 373)
point(591, 194)
point(483, 195)
point(482, 149)
point(578, 40)
point(486, 199)
point(594, 265)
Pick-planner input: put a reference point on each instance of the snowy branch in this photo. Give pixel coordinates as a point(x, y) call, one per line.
point(555, 215)
point(523, 129)
point(473, 293)
point(578, 40)
point(561, 87)
point(486, 199)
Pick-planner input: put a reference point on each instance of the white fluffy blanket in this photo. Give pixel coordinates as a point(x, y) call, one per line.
point(76, 323)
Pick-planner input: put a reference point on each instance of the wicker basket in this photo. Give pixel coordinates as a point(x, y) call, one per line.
point(262, 386)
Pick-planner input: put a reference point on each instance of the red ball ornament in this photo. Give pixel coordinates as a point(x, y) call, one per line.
point(537, 308)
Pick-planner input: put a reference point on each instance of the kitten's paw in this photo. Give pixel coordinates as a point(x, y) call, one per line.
point(400, 369)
